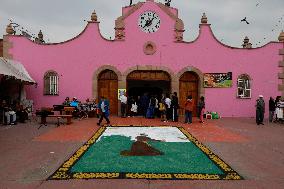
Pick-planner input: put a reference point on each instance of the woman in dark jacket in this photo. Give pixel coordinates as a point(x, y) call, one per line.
point(201, 109)
point(271, 109)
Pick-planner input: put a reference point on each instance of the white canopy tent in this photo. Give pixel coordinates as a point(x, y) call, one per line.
point(14, 69)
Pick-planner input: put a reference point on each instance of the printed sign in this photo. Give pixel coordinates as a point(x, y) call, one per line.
point(120, 92)
point(218, 80)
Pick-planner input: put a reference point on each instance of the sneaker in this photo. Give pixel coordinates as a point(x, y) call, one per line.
point(98, 124)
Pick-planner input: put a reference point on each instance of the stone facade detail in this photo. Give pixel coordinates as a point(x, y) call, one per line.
point(179, 29)
point(119, 22)
point(281, 64)
point(7, 45)
point(149, 48)
point(10, 30)
point(246, 44)
point(119, 28)
point(94, 17)
point(39, 38)
point(204, 19)
point(179, 25)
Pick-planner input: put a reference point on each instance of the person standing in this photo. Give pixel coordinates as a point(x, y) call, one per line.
point(260, 110)
point(156, 112)
point(188, 109)
point(151, 108)
point(271, 109)
point(144, 102)
point(175, 106)
point(201, 109)
point(162, 108)
point(104, 110)
point(277, 109)
point(123, 103)
point(134, 107)
point(168, 102)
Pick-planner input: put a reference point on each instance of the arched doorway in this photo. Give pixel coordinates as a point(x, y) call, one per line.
point(107, 87)
point(188, 85)
point(153, 82)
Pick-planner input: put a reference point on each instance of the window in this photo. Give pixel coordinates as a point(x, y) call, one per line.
point(244, 88)
point(51, 83)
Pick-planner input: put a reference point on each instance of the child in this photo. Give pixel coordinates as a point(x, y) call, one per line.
point(162, 109)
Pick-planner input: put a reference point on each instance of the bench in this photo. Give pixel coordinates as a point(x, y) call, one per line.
point(68, 117)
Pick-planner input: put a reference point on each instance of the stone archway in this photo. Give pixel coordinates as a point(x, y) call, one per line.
point(190, 83)
point(150, 79)
point(106, 80)
point(152, 82)
point(171, 74)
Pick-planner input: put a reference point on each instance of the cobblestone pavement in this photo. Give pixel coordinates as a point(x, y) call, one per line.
point(29, 155)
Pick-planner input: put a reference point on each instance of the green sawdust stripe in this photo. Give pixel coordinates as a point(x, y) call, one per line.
point(102, 160)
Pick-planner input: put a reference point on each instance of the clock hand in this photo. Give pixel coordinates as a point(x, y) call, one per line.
point(151, 21)
point(147, 23)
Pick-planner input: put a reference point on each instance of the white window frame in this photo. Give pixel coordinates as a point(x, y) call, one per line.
point(246, 88)
point(52, 86)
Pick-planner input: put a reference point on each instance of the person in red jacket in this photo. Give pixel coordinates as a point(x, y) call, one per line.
point(188, 109)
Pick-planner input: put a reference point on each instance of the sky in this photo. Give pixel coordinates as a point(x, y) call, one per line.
point(61, 20)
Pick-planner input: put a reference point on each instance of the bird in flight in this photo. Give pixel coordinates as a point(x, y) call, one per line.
point(245, 20)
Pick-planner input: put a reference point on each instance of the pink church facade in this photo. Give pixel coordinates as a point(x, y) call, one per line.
point(81, 62)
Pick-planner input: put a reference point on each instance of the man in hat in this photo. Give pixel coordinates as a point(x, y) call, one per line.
point(260, 110)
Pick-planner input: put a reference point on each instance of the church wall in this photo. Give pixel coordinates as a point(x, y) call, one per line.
point(77, 60)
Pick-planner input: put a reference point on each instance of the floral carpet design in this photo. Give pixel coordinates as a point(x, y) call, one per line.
point(177, 155)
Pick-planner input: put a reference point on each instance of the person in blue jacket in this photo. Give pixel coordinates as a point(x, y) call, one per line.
point(104, 110)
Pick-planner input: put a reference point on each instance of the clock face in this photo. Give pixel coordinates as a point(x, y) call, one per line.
point(149, 22)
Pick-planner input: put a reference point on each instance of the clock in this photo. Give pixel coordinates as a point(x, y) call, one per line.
point(149, 22)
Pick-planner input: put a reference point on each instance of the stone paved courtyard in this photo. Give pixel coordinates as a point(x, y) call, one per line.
point(30, 155)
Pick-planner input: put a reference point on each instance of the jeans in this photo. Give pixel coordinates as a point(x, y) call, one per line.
point(8, 117)
point(103, 115)
point(188, 116)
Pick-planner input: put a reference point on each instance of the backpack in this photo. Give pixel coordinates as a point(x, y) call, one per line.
point(162, 106)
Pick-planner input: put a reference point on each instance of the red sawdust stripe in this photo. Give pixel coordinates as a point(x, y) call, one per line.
point(83, 130)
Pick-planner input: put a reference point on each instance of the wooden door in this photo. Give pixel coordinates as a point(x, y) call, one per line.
point(188, 85)
point(107, 87)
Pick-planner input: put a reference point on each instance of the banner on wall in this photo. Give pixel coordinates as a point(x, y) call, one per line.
point(218, 80)
point(120, 92)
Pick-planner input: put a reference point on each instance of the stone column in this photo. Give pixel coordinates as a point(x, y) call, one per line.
point(281, 64)
point(121, 85)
